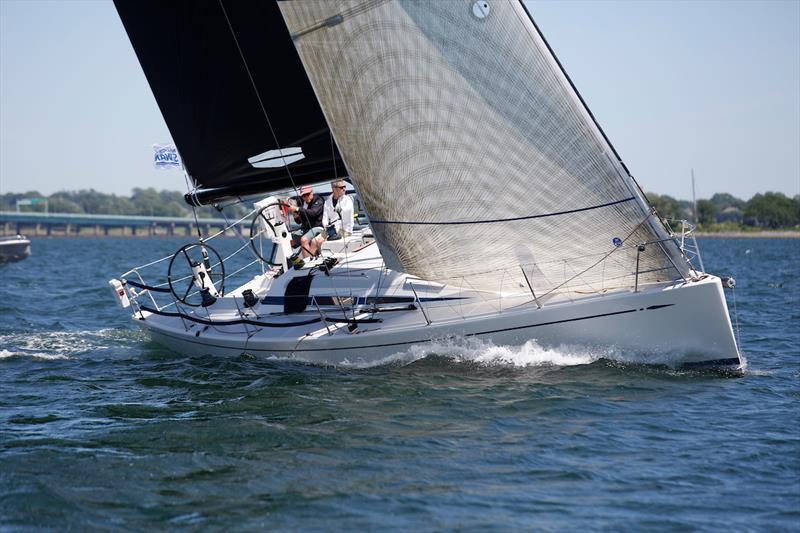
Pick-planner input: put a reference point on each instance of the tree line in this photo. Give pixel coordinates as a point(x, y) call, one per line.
point(725, 212)
point(721, 212)
point(141, 202)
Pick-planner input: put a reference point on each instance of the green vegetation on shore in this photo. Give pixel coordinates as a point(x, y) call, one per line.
point(142, 202)
point(723, 212)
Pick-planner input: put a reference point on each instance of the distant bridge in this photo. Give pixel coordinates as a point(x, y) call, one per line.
point(33, 224)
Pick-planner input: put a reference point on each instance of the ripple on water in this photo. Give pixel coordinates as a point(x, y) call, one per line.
point(55, 345)
point(100, 428)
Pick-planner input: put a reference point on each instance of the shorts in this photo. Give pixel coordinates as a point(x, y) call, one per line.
point(310, 234)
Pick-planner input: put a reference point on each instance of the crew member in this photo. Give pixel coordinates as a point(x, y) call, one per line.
point(337, 216)
point(307, 213)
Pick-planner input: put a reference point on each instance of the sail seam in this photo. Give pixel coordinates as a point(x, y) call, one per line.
point(496, 220)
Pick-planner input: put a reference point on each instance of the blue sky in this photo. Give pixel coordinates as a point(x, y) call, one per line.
point(713, 86)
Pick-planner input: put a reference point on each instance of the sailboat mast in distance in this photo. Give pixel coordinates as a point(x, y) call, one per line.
point(694, 201)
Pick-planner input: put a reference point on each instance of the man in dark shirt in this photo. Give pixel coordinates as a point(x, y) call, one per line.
point(307, 213)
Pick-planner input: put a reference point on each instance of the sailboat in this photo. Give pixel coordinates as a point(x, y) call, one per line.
point(497, 207)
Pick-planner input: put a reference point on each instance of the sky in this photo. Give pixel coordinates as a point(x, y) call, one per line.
point(706, 85)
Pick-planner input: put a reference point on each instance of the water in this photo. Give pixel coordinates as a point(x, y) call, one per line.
point(100, 429)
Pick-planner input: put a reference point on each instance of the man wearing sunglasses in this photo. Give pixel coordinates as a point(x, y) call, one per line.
point(337, 216)
point(307, 213)
point(338, 212)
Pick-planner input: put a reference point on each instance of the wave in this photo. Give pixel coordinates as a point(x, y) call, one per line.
point(7, 354)
point(484, 353)
point(55, 345)
point(477, 352)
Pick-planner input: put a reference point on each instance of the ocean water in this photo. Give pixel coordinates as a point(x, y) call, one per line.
point(102, 429)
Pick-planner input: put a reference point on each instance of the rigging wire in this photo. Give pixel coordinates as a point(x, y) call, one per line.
point(341, 222)
point(378, 286)
point(602, 259)
point(239, 234)
point(194, 208)
point(333, 158)
point(258, 96)
point(736, 316)
point(263, 107)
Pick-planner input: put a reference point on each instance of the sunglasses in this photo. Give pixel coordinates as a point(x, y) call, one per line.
point(342, 187)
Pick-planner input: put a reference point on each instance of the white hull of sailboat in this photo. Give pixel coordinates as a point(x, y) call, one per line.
point(681, 325)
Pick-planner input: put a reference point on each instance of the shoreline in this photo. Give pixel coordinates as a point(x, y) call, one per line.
point(111, 235)
point(89, 236)
point(777, 234)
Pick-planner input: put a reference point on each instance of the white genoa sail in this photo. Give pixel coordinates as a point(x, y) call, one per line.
point(459, 129)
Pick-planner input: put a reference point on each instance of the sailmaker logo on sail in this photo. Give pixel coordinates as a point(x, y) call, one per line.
point(166, 156)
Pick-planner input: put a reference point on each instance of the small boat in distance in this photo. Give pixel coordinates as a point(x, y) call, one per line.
point(14, 248)
point(498, 209)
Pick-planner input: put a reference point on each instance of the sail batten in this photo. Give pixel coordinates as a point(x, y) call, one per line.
point(469, 147)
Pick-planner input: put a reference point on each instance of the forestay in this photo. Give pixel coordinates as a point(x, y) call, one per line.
point(470, 149)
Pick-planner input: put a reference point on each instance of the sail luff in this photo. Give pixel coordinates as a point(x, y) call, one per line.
point(669, 247)
point(581, 104)
point(538, 33)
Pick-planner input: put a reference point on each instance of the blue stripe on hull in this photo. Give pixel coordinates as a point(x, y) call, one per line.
point(731, 361)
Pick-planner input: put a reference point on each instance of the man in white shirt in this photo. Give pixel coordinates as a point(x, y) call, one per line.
point(338, 210)
point(337, 216)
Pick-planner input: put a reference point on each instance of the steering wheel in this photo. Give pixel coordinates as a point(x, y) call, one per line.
point(256, 232)
point(194, 255)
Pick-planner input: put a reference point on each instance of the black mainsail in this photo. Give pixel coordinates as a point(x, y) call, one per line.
point(211, 66)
